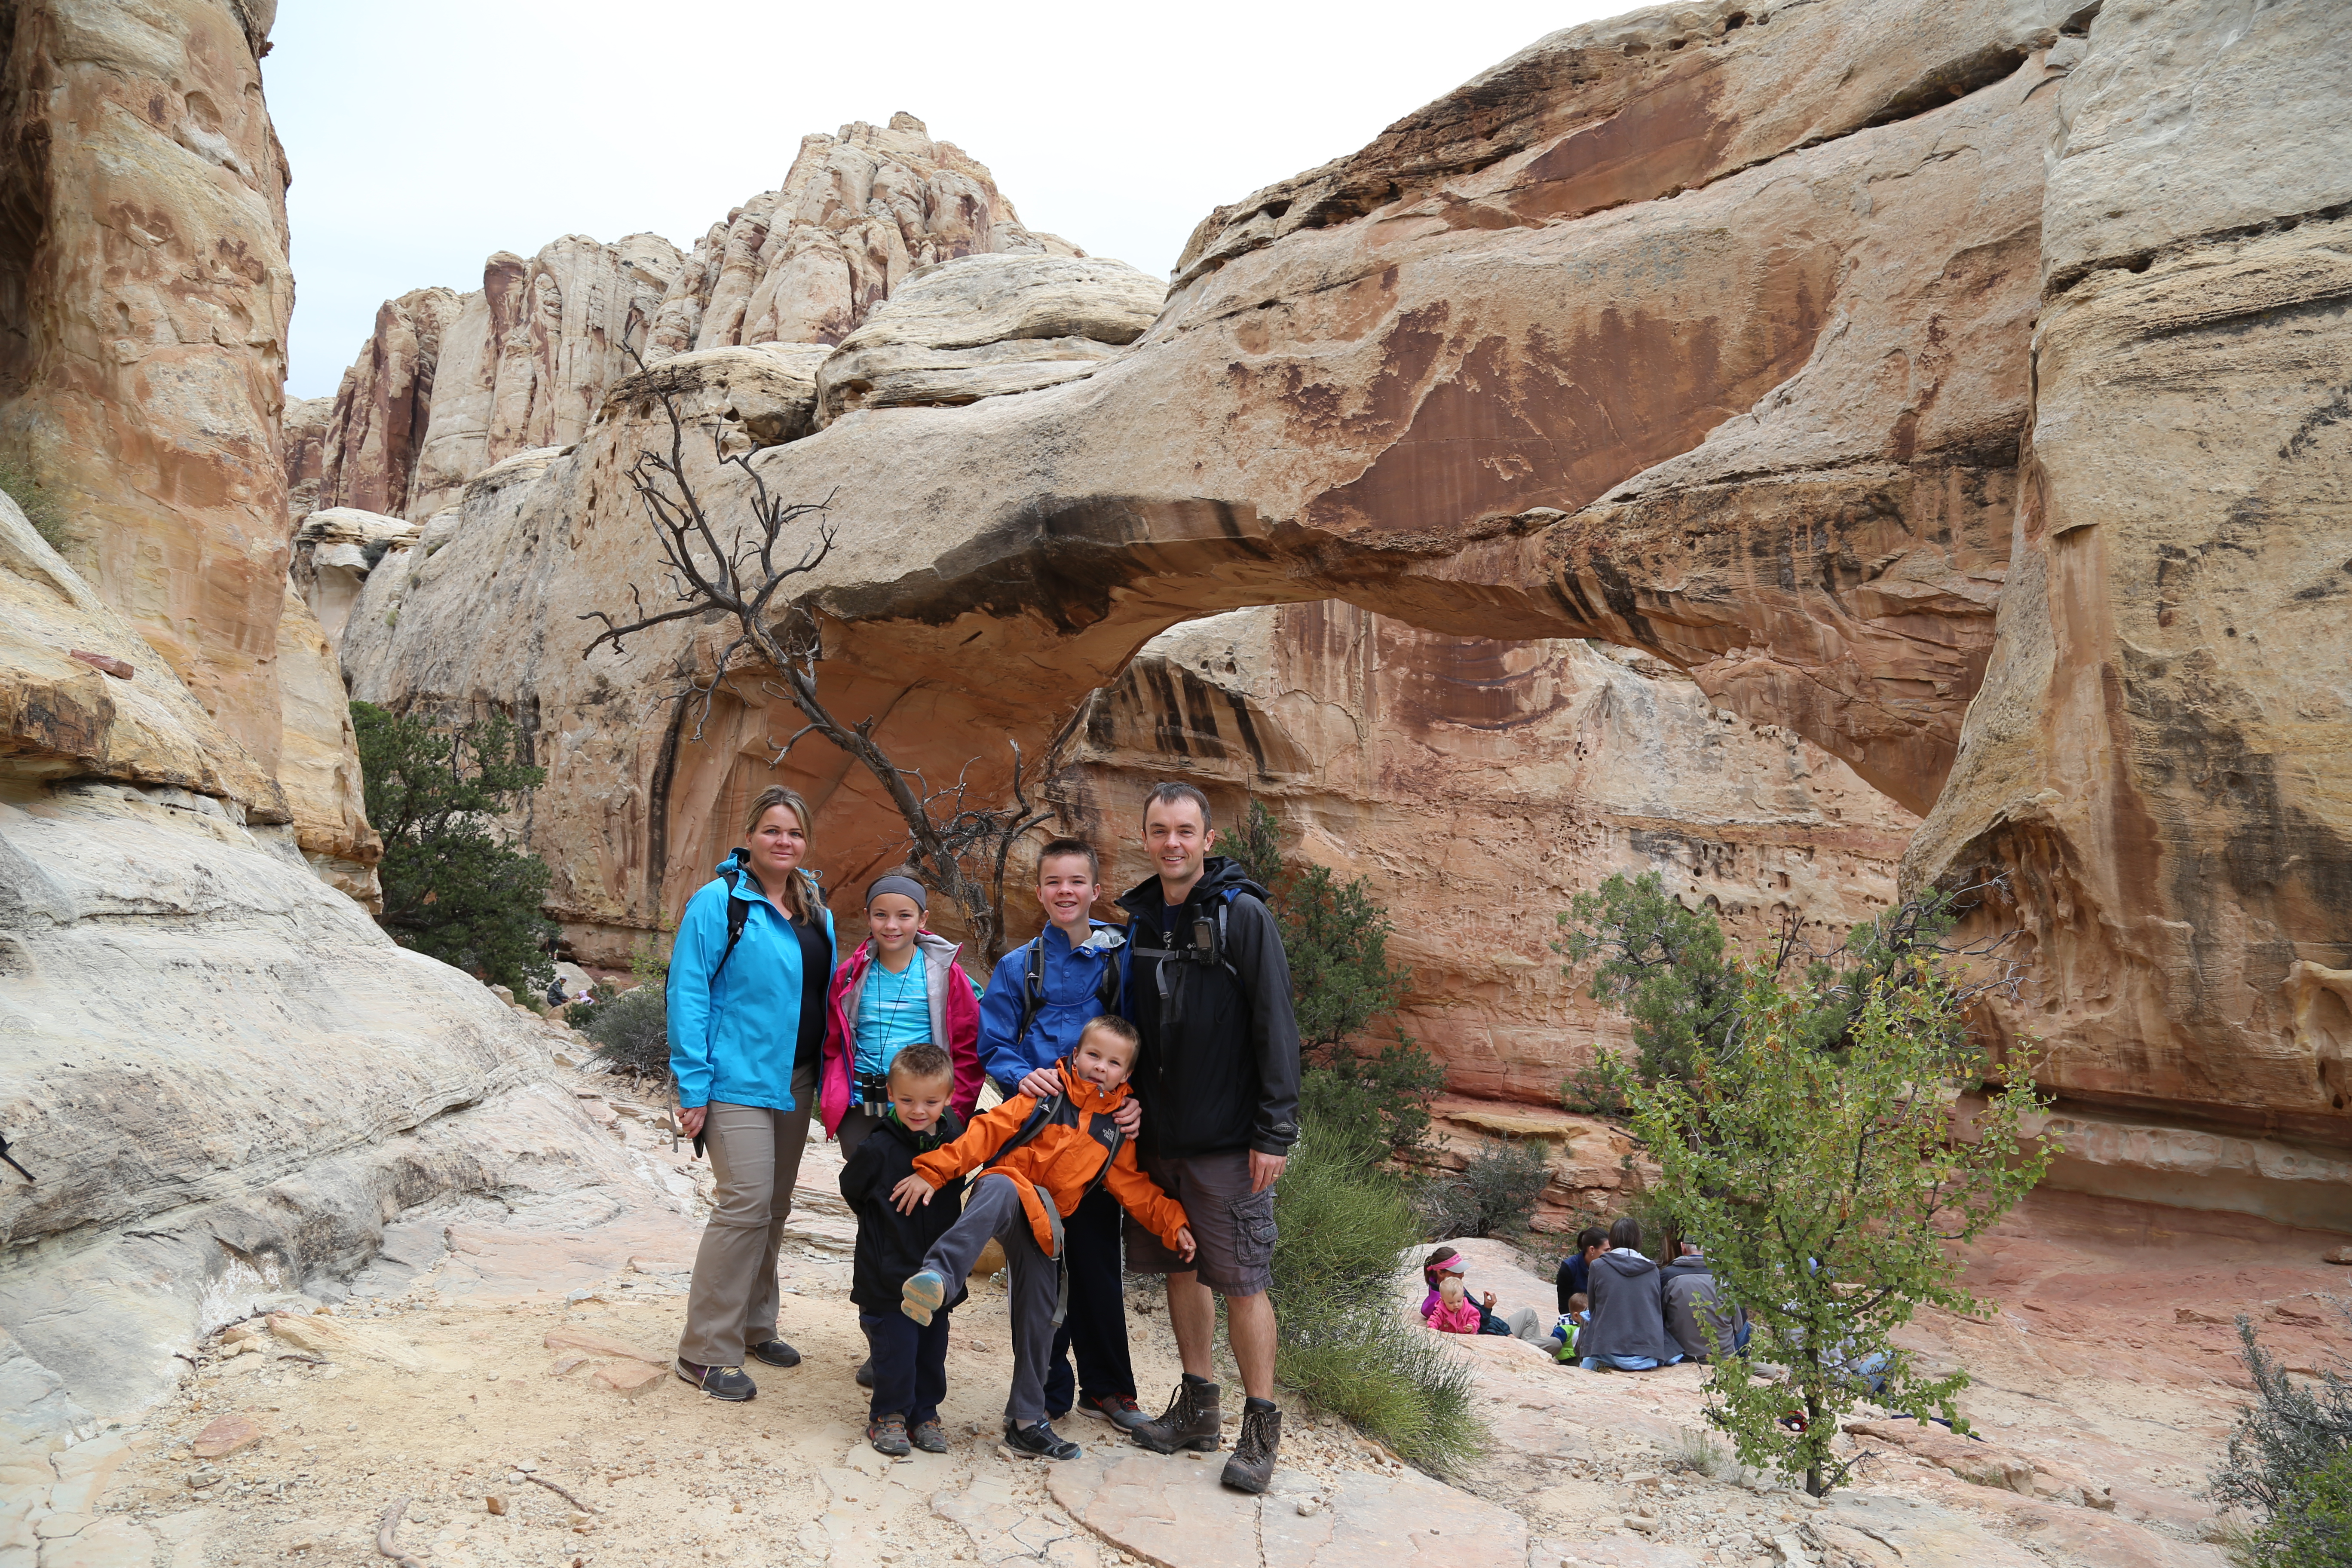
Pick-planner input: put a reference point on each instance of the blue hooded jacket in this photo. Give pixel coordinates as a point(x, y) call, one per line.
point(733, 1040)
point(1071, 983)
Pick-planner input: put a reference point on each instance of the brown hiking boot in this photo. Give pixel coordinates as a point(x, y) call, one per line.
point(1252, 1466)
point(1192, 1420)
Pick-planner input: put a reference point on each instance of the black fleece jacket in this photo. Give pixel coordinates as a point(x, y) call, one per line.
point(1219, 1067)
point(890, 1245)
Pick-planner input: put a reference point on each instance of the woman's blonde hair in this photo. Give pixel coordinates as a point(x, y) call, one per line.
point(803, 895)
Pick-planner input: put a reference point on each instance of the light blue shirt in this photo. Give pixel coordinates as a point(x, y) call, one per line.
point(894, 1011)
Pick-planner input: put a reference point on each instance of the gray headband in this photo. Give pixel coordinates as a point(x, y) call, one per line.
point(894, 883)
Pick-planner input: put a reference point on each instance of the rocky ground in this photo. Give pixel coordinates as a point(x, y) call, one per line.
point(511, 1384)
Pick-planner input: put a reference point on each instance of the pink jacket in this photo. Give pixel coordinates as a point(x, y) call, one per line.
point(1461, 1318)
point(955, 1027)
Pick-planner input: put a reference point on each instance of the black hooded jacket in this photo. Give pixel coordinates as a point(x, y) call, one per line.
point(1629, 1312)
point(890, 1245)
point(1219, 1067)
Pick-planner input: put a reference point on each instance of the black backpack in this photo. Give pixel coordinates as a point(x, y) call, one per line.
point(1033, 988)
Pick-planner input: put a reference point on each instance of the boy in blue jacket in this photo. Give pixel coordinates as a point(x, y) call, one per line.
point(1038, 1003)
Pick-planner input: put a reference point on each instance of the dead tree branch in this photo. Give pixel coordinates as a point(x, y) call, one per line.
point(743, 573)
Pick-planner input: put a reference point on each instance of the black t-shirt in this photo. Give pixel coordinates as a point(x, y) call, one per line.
point(816, 980)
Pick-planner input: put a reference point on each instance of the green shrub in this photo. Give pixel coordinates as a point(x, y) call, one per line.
point(2291, 1457)
point(1345, 1228)
point(452, 887)
point(1493, 1195)
point(632, 1033)
point(37, 502)
point(1386, 1093)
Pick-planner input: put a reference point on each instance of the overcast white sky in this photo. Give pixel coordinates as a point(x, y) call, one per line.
point(424, 136)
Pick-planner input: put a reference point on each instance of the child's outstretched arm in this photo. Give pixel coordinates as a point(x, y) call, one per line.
point(1140, 1195)
point(987, 1134)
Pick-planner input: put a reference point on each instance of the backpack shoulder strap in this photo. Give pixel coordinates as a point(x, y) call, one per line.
point(1040, 1116)
point(738, 912)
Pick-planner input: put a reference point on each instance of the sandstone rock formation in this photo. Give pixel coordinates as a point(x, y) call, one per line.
point(147, 302)
point(2161, 757)
point(225, 1079)
point(334, 551)
point(1479, 785)
point(448, 384)
point(1708, 332)
point(306, 452)
point(985, 326)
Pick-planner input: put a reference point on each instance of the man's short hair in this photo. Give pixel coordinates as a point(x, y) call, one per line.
point(1117, 1028)
point(1061, 847)
point(1590, 1236)
point(921, 1062)
point(1169, 794)
point(1626, 1232)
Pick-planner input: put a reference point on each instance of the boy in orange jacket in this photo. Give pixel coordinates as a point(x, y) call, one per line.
point(1038, 1160)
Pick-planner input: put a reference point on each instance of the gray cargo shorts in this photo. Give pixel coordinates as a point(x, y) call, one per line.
point(1233, 1227)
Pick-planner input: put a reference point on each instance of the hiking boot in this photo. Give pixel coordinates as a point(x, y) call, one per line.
point(929, 1436)
point(775, 1352)
point(1193, 1420)
point(1040, 1441)
point(921, 1296)
point(728, 1382)
point(1119, 1409)
point(888, 1434)
point(1252, 1466)
point(864, 1372)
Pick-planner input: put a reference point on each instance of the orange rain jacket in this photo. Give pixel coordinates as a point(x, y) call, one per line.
point(1059, 1161)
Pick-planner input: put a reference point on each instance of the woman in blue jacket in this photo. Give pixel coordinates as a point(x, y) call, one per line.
point(747, 982)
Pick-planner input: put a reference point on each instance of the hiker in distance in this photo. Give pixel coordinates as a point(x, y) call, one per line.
point(748, 973)
point(1208, 987)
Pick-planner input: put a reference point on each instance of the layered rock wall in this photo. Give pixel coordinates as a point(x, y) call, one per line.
point(1477, 786)
point(2161, 757)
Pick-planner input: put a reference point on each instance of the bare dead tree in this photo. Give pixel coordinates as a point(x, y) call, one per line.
point(958, 850)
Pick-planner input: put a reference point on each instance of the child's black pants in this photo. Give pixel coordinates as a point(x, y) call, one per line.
point(910, 1365)
point(1096, 1327)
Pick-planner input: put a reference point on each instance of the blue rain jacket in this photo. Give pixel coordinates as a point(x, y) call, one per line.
point(733, 1040)
point(1070, 983)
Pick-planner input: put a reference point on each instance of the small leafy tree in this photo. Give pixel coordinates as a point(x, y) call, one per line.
point(1668, 968)
point(2291, 1457)
point(1827, 1186)
point(1336, 936)
point(452, 887)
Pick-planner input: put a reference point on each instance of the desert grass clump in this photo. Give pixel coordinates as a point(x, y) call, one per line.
point(1345, 1226)
point(37, 502)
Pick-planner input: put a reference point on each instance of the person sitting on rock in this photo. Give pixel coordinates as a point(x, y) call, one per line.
point(1628, 1331)
point(908, 1360)
point(1446, 1264)
point(1707, 1327)
point(1575, 1277)
point(1038, 1160)
point(1570, 1326)
point(1455, 1312)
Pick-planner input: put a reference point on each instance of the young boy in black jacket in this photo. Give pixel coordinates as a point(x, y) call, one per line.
point(910, 1361)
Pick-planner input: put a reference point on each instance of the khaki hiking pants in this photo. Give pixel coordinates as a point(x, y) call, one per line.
point(755, 1152)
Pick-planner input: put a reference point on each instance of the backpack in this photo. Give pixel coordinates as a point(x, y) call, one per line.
point(1033, 988)
point(1208, 942)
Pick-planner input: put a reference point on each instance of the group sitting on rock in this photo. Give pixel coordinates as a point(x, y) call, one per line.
point(1619, 1311)
point(1149, 1081)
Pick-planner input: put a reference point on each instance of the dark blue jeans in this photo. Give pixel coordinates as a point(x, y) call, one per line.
point(1096, 1326)
point(910, 1365)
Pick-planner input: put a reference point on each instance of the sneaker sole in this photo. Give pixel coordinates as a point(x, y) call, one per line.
point(919, 1301)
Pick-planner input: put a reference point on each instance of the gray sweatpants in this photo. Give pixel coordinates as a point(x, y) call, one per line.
point(991, 1208)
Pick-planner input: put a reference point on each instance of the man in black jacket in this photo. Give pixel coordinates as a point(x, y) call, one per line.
point(1209, 988)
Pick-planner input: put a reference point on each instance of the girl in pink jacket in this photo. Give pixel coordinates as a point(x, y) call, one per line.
point(901, 984)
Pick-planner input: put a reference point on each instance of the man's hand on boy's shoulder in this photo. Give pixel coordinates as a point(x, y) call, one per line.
point(1044, 1083)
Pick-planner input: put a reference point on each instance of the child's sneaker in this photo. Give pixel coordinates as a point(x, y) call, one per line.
point(1040, 1442)
point(921, 1294)
point(888, 1434)
point(930, 1437)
